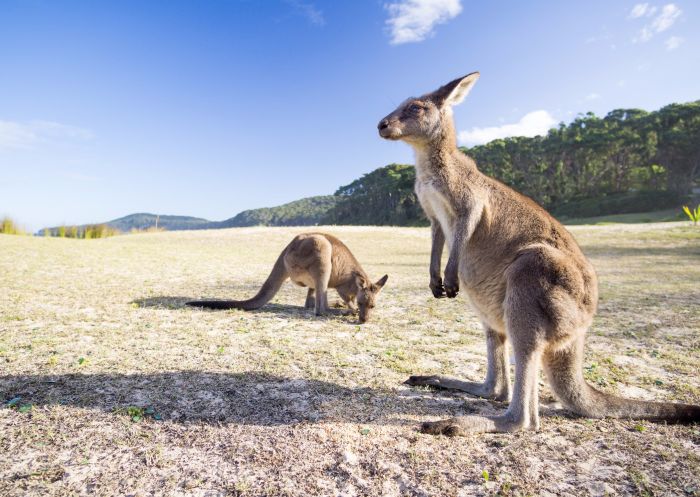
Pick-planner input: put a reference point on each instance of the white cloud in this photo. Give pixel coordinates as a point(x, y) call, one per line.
point(667, 17)
point(669, 14)
point(16, 135)
point(642, 10)
point(310, 11)
point(673, 42)
point(592, 96)
point(532, 124)
point(413, 20)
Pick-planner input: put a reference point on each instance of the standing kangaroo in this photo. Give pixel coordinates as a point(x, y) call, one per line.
point(318, 261)
point(523, 272)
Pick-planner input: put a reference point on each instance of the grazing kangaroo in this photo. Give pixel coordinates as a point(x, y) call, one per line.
point(318, 261)
point(522, 270)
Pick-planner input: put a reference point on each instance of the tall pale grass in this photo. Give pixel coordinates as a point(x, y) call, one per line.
point(87, 232)
point(10, 227)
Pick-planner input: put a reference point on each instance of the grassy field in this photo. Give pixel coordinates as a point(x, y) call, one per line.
point(111, 386)
point(637, 217)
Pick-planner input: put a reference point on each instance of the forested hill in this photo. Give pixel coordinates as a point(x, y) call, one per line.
point(629, 150)
point(629, 161)
point(305, 212)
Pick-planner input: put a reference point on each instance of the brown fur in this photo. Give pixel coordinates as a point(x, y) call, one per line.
point(318, 261)
point(521, 269)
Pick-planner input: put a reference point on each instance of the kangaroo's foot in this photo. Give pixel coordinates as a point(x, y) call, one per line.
point(464, 425)
point(484, 390)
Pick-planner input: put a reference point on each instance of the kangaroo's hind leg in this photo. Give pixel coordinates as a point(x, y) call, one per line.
point(310, 299)
point(533, 311)
point(321, 272)
point(522, 412)
point(321, 302)
point(497, 383)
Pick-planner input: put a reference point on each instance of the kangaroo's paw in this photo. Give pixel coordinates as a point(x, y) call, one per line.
point(438, 289)
point(451, 289)
point(447, 427)
point(424, 381)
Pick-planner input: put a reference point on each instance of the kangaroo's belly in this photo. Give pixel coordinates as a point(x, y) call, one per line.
point(438, 207)
point(298, 273)
point(302, 278)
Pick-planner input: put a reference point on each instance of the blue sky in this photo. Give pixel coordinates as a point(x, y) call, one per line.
point(208, 108)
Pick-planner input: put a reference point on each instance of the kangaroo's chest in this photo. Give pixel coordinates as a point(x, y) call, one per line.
point(437, 206)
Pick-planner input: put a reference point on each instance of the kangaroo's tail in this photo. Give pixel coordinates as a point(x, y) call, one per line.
point(267, 291)
point(565, 372)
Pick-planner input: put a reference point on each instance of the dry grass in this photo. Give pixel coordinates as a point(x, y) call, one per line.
point(95, 345)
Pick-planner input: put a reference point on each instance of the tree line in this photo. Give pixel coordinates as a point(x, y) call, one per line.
point(630, 160)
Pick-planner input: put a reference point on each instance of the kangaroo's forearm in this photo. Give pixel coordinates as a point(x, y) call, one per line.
point(436, 251)
point(451, 281)
point(438, 243)
point(464, 227)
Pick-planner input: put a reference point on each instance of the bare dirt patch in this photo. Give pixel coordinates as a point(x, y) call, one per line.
point(110, 385)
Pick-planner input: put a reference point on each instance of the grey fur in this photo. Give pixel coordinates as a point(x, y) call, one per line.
point(522, 271)
point(318, 261)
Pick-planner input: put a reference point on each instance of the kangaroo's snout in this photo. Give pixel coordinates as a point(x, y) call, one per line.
point(388, 130)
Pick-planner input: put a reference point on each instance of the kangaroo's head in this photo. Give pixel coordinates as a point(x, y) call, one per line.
point(367, 294)
point(423, 120)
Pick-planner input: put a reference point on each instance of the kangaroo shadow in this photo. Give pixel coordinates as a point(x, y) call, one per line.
point(249, 398)
point(163, 302)
point(283, 310)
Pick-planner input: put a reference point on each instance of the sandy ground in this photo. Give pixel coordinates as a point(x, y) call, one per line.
point(110, 386)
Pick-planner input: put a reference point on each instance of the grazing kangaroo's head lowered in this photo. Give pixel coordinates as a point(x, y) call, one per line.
point(427, 119)
point(367, 294)
point(318, 261)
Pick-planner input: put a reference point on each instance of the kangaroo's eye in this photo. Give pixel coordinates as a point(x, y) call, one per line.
point(414, 108)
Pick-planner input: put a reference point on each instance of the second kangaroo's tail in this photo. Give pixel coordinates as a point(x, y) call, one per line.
point(565, 373)
point(267, 291)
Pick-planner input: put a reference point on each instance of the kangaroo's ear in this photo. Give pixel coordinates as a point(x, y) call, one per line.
point(381, 282)
point(360, 280)
point(455, 91)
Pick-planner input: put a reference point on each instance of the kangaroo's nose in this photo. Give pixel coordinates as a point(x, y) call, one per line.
point(383, 124)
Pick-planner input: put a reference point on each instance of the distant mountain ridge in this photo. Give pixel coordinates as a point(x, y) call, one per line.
point(144, 220)
point(308, 211)
point(628, 161)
